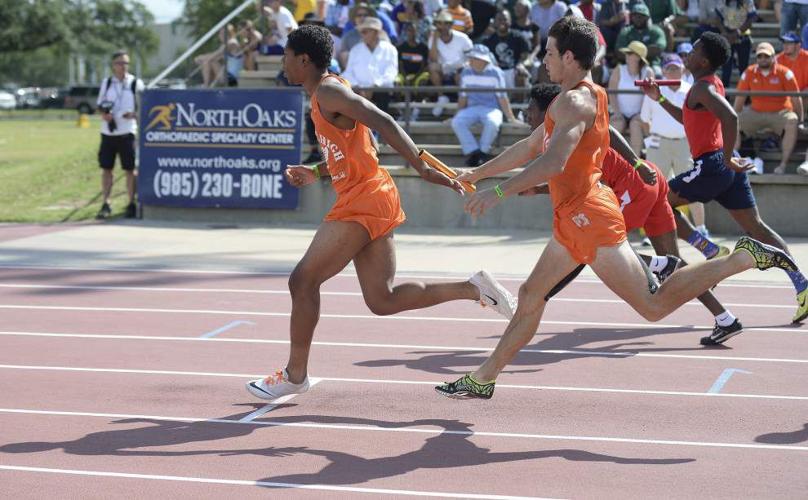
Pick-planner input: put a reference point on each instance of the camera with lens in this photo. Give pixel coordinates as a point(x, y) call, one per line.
point(106, 107)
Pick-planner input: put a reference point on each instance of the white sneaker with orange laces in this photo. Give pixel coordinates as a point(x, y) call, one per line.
point(276, 385)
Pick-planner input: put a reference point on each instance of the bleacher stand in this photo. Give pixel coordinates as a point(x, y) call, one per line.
point(626, 107)
point(373, 62)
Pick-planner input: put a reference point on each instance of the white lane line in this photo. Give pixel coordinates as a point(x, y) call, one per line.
point(275, 403)
point(398, 317)
point(268, 484)
point(324, 292)
point(419, 430)
point(405, 382)
point(224, 328)
point(572, 352)
point(414, 275)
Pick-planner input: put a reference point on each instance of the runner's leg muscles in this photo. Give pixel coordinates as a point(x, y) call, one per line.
point(554, 264)
point(750, 221)
point(376, 268)
point(620, 270)
point(333, 247)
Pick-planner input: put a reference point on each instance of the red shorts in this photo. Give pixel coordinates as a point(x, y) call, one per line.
point(651, 210)
point(594, 223)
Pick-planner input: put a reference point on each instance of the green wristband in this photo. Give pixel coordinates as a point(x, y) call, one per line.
point(316, 171)
point(499, 192)
point(661, 99)
point(637, 163)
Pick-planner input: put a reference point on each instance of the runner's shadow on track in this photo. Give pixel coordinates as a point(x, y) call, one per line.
point(128, 441)
point(450, 448)
point(451, 362)
point(794, 437)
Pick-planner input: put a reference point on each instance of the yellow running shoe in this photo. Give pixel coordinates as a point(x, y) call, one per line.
point(802, 307)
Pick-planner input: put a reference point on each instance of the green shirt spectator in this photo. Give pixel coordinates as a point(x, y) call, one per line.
point(641, 30)
point(662, 9)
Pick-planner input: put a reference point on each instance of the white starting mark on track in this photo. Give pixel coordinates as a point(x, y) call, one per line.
point(274, 404)
point(226, 327)
point(723, 379)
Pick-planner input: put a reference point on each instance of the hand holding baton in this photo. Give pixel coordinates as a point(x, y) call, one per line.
point(441, 167)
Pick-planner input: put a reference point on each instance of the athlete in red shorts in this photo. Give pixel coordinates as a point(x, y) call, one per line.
point(643, 197)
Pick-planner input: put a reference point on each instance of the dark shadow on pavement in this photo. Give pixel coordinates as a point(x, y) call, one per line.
point(793, 437)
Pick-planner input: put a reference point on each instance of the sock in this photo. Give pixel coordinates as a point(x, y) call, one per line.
point(800, 283)
point(702, 244)
point(726, 318)
point(657, 264)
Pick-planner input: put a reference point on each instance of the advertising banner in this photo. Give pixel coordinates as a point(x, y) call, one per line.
point(223, 148)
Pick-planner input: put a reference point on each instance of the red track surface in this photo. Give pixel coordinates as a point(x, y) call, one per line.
point(600, 404)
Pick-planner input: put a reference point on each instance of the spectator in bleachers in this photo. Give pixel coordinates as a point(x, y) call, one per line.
point(667, 15)
point(350, 35)
point(337, 16)
point(461, 17)
point(412, 12)
point(233, 57)
point(684, 49)
point(782, 115)
point(413, 59)
point(388, 25)
point(708, 18)
point(545, 13)
point(792, 14)
point(211, 63)
point(641, 29)
point(432, 7)
point(510, 50)
point(611, 20)
point(447, 55)
point(482, 14)
point(666, 145)
point(590, 9)
point(736, 17)
point(372, 63)
point(486, 108)
point(626, 107)
point(285, 22)
point(794, 58)
point(690, 8)
point(524, 25)
point(303, 7)
point(251, 38)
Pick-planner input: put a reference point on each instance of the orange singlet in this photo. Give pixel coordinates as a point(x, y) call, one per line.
point(586, 213)
point(365, 193)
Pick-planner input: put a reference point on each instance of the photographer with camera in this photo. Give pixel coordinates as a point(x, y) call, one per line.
point(117, 103)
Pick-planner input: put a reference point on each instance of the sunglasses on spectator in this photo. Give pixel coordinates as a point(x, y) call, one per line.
point(763, 56)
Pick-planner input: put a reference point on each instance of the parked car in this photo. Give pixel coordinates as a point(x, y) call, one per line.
point(28, 97)
point(82, 98)
point(7, 100)
point(53, 98)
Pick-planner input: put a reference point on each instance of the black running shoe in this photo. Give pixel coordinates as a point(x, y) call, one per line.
point(766, 256)
point(104, 213)
point(466, 388)
point(722, 333)
point(131, 211)
point(672, 265)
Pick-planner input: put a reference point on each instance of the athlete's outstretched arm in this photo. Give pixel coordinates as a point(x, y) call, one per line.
point(578, 110)
point(651, 89)
point(342, 100)
point(513, 157)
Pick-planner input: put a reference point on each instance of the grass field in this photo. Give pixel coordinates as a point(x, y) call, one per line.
point(49, 171)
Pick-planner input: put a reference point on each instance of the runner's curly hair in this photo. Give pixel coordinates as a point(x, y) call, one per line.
point(314, 41)
point(715, 48)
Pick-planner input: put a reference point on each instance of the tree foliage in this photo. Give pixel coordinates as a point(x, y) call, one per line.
point(39, 33)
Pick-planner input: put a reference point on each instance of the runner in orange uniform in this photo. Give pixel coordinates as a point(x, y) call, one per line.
point(588, 226)
point(360, 226)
